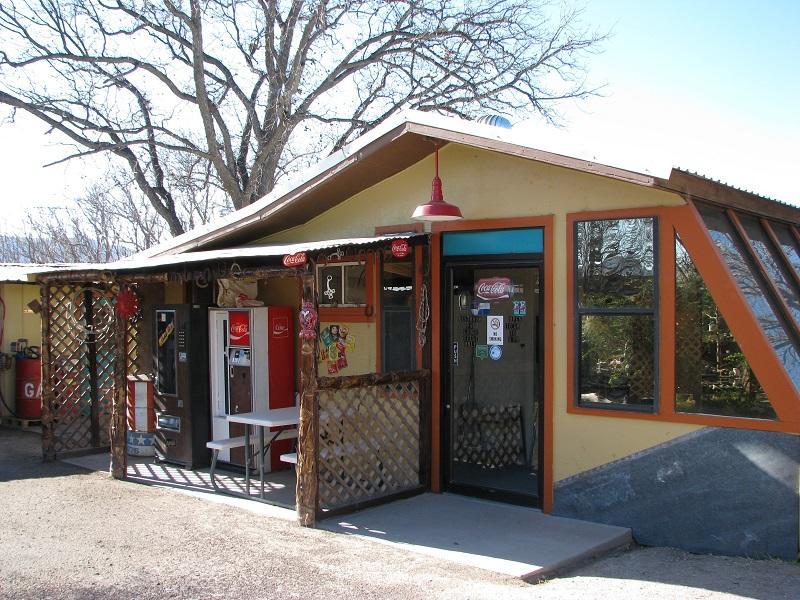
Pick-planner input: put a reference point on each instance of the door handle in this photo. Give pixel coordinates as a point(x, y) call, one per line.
point(230, 372)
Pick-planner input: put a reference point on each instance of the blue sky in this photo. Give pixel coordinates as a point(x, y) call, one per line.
point(708, 86)
point(741, 57)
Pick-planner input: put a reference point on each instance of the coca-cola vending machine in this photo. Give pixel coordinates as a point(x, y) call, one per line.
point(251, 361)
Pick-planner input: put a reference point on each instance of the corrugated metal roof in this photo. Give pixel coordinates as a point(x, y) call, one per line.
point(18, 272)
point(138, 262)
point(733, 187)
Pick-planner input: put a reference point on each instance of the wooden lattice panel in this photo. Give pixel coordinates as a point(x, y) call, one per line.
point(81, 364)
point(489, 436)
point(368, 442)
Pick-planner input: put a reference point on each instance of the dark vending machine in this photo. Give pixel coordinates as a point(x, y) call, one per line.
point(181, 384)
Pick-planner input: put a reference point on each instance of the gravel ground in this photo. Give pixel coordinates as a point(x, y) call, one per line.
point(68, 533)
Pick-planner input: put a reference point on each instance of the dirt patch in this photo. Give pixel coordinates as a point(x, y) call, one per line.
point(68, 533)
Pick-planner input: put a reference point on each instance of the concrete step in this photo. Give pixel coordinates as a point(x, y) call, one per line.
point(512, 540)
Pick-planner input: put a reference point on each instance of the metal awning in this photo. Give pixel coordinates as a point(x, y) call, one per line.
point(241, 252)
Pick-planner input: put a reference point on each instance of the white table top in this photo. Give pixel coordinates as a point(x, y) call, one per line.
point(276, 417)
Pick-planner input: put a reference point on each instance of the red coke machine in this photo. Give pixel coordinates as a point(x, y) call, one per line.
point(251, 356)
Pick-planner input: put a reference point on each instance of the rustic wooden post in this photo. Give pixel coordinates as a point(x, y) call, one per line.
point(48, 396)
point(118, 408)
point(308, 438)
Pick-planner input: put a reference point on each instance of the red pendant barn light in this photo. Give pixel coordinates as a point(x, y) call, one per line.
point(437, 209)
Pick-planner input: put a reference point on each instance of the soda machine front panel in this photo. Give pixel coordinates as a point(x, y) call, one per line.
point(181, 391)
point(166, 353)
point(239, 324)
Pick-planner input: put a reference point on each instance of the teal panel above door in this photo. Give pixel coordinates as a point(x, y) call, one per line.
point(493, 241)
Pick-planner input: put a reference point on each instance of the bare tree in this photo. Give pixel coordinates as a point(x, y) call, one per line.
point(236, 84)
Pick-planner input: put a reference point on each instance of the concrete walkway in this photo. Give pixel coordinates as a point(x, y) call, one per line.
point(512, 540)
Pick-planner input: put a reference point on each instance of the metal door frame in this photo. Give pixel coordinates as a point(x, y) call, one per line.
point(488, 261)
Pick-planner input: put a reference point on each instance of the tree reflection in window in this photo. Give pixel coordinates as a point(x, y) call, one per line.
point(615, 263)
point(615, 276)
point(617, 360)
point(712, 375)
point(754, 292)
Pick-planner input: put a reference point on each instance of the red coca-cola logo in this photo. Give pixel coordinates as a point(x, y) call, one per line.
point(280, 327)
point(298, 259)
point(238, 330)
point(400, 248)
point(493, 288)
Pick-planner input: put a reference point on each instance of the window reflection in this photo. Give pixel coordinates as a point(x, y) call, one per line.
point(712, 375)
point(617, 360)
point(788, 244)
point(615, 263)
point(772, 264)
point(757, 298)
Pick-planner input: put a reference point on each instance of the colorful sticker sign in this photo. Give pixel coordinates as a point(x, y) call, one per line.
point(520, 308)
point(480, 309)
point(495, 352)
point(481, 351)
point(336, 343)
point(494, 330)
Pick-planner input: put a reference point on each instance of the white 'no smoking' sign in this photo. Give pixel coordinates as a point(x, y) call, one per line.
point(494, 330)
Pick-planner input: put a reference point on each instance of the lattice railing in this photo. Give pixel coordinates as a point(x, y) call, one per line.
point(81, 363)
point(369, 442)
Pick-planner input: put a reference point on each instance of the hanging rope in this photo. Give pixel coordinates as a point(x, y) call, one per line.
point(423, 316)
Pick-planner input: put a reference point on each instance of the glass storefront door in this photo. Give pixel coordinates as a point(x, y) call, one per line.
point(493, 386)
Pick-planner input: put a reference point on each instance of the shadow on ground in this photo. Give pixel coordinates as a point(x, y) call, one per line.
point(21, 457)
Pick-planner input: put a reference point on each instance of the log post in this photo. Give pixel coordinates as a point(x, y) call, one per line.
point(118, 407)
point(48, 395)
point(308, 436)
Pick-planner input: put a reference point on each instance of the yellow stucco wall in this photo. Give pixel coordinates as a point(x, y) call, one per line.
point(19, 322)
point(487, 185)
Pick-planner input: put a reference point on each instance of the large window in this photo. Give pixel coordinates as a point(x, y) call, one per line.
point(712, 375)
point(616, 307)
point(754, 285)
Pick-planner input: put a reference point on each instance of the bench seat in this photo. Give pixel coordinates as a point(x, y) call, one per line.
point(224, 444)
point(238, 442)
point(290, 457)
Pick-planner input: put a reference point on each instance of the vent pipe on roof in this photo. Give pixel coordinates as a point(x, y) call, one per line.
point(495, 120)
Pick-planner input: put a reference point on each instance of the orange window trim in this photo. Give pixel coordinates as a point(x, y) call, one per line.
point(740, 319)
point(547, 223)
point(354, 314)
point(403, 228)
point(686, 221)
point(665, 343)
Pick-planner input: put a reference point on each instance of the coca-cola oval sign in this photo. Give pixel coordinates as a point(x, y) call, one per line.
point(400, 248)
point(493, 288)
point(298, 259)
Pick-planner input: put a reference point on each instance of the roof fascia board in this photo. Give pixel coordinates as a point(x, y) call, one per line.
point(542, 156)
point(702, 188)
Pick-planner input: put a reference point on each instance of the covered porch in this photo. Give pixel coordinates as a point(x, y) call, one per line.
point(363, 432)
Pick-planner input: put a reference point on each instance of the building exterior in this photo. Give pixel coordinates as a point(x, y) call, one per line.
point(601, 343)
point(19, 321)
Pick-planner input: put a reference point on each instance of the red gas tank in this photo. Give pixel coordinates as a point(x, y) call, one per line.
point(29, 388)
